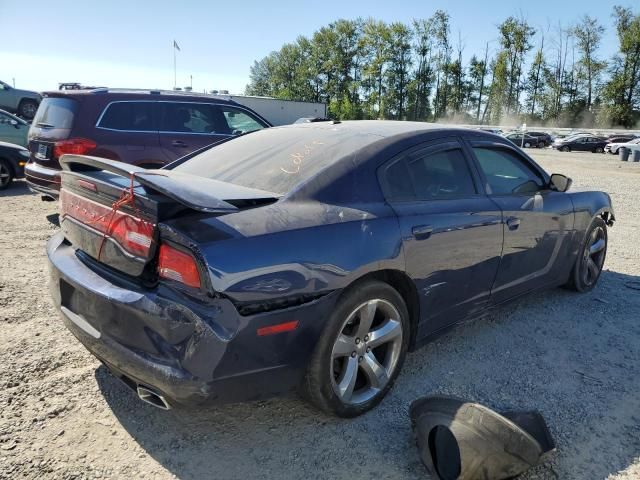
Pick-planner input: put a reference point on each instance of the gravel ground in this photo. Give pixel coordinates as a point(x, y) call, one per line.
point(573, 357)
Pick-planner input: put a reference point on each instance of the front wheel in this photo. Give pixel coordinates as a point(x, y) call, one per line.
point(588, 266)
point(565, 149)
point(527, 144)
point(361, 351)
point(599, 150)
point(6, 174)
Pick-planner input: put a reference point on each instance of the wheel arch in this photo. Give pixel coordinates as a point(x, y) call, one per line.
point(403, 284)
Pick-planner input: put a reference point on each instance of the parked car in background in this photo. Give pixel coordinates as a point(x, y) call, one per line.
point(13, 129)
point(21, 102)
point(13, 158)
point(491, 130)
point(580, 143)
point(523, 140)
point(614, 148)
point(145, 128)
point(544, 138)
point(256, 268)
point(620, 138)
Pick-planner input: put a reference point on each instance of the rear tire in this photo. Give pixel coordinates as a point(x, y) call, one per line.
point(599, 150)
point(27, 109)
point(565, 149)
point(360, 352)
point(6, 174)
point(593, 251)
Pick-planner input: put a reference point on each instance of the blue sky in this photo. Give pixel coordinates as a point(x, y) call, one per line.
point(129, 43)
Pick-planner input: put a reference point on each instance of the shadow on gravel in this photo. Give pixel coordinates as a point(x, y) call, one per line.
point(16, 189)
point(572, 357)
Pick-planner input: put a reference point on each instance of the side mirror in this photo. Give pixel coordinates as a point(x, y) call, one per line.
point(559, 182)
point(14, 123)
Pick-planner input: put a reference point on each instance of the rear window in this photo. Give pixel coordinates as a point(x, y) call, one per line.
point(56, 113)
point(277, 159)
point(130, 116)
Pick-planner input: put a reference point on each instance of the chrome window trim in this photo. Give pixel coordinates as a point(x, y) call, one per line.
point(253, 115)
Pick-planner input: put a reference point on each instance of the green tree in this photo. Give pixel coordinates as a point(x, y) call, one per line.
point(588, 34)
point(398, 75)
point(515, 39)
point(621, 94)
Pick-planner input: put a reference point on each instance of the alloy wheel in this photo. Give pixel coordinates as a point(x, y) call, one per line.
point(366, 352)
point(5, 175)
point(593, 256)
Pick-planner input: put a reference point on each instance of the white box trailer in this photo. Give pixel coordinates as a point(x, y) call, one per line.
point(280, 112)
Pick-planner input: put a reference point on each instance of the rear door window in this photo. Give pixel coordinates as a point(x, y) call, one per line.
point(435, 172)
point(200, 118)
point(129, 116)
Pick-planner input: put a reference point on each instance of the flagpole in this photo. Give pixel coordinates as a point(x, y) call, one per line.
point(175, 81)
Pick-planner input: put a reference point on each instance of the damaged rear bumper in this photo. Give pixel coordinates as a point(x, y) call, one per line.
point(191, 351)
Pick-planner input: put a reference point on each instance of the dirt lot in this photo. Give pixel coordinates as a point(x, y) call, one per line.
point(573, 357)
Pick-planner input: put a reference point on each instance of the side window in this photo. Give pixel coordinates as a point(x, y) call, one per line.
point(506, 172)
point(239, 121)
point(136, 116)
point(191, 118)
point(429, 173)
point(440, 174)
point(399, 186)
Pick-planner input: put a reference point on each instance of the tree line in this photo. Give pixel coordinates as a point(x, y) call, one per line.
point(369, 69)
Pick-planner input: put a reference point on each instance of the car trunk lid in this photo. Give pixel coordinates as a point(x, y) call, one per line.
point(111, 210)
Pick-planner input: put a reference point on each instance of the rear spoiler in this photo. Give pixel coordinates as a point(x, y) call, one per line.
point(198, 193)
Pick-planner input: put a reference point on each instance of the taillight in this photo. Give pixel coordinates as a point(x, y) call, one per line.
point(77, 146)
point(176, 265)
point(134, 234)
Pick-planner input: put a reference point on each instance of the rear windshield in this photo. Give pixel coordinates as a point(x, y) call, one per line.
point(56, 113)
point(277, 159)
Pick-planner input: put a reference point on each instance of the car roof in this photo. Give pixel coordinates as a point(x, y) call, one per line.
point(381, 128)
point(141, 94)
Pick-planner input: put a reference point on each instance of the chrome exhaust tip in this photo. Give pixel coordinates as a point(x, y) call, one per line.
point(151, 397)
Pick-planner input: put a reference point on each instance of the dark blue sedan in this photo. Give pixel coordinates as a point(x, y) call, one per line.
point(309, 257)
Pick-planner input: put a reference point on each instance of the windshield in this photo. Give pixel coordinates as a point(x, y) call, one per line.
point(277, 159)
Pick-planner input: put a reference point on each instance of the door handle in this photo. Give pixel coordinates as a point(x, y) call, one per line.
point(513, 223)
point(178, 143)
point(422, 232)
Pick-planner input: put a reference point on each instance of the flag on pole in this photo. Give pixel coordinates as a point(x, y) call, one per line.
point(176, 46)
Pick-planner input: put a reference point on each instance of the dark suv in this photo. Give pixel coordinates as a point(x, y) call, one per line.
point(544, 139)
point(145, 128)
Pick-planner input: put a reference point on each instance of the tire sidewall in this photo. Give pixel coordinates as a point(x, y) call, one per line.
point(11, 174)
point(319, 373)
point(577, 277)
point(22, 105)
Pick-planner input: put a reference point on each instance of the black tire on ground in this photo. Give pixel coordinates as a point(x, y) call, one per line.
point(6, 174)
point(565, 149)
point(599, 150)
point(27, 109)
point(322, 379)
point(542, 144)
point(593, 251)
